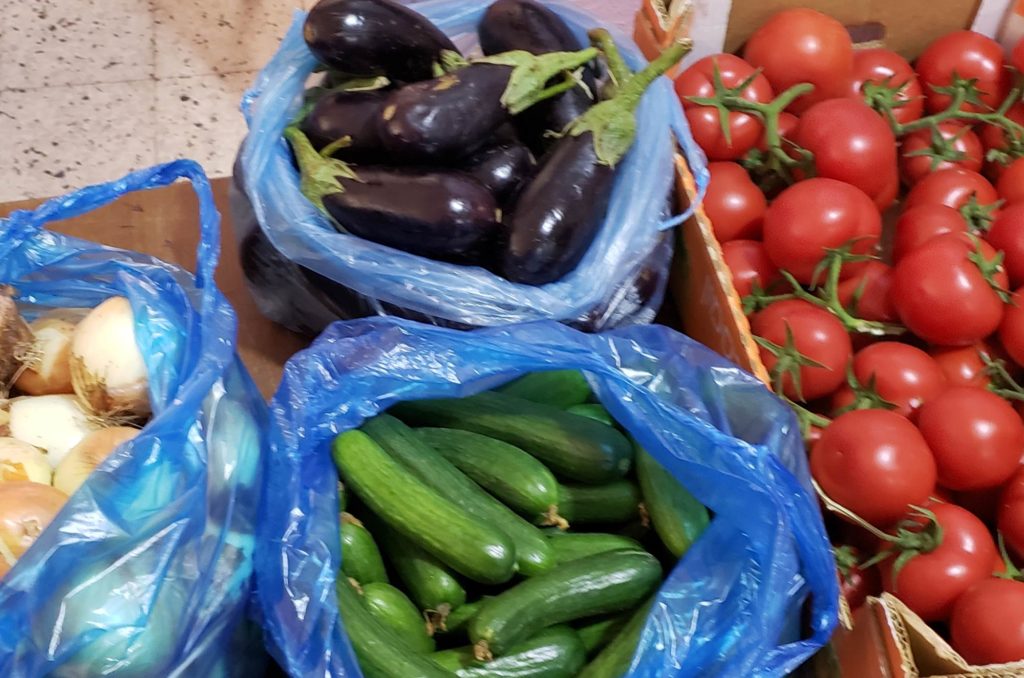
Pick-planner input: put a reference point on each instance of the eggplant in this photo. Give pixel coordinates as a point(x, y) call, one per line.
point(346, 114)
point(560, 212)
point(442, 120)
point(375, 37)
point(443, 215)
point(502, 169)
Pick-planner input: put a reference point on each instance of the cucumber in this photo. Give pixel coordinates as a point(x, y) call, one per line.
point(614, 660)
point(616, 502)
point(392, 608)
point(427, 581)
point(513, 476)
point(596, 635)
point(556, 652)
point(593, 411)
point(678, 518)
point(602, 584)
point(558, 388)
point(575, 447)
point(360, 557)
point(464, 543)
point(532, 552)
point(460, 616)
point(380, 652)
point(570, 546)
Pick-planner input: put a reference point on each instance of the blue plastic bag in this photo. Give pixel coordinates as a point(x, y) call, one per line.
point(732, 605)
point(148, 568)
point(296, 259)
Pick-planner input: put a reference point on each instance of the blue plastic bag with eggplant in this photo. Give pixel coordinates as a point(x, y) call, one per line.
point(734, 605)
point(146, 571)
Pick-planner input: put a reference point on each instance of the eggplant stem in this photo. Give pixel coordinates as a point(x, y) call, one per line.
point(320, 176)
point(602, 39)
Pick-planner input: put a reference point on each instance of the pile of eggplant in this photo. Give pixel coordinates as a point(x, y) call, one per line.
point(504, 161)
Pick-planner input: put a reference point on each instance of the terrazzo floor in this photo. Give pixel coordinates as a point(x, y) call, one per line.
point(91, 89)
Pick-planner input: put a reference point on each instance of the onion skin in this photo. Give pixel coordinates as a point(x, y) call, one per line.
point(87, 455)
point(54, 423)
point(21, 461)
point(50, 373)
point(14, 337)
point(26, 509)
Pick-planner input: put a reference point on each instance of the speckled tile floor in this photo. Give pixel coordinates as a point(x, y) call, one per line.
point(91, 89)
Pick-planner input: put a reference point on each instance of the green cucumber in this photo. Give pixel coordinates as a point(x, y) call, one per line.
point(556, 652)
point(576, 447)
point(513, 476)
point(392, 608)
point(570, 546)
point(532, 552)
point(596, 635)
point(460, 616)
point(464, 543)
point(615, 502)
point(380, 652)
point(594, 411)
point(558, 388)
point(614, 660)
point(602, 584)
point(360, 557)
point(427, 581)
point(677, 516)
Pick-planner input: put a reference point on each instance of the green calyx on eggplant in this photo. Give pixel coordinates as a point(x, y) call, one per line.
point(560, 212)
point(448, 216)
point(447, 118)
point(374, 37)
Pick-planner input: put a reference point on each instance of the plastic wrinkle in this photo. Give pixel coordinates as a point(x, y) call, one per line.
point(147, 570)
point(731, 607)
point(385, 280)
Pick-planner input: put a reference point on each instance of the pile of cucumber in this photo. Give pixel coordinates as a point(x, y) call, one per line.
point(528, 534)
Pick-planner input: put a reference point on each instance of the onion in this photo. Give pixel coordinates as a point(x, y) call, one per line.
point(87, 455)
point(107, 368)
point(48, 369)
point(15, 336)
point(26, 509)
point(21, 461)
point(55, 423)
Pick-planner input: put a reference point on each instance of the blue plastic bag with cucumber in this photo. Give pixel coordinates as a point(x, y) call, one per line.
point(732, 606)
point(147, 569)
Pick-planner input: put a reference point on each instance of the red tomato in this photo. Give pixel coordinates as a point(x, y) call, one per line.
point(930, 582)
point(1010, 520)
point(976, 436)
point(968, 56)
point(749, 264)
point(962, 365)
point(1018, 56)
point(817, 335)
point(1011, 182)
point(1011, 331)
point(859, 155)
point(1007, 234)
point(994, 136)
point(953, 188)
point(787, 127)
point(744, 129)
point(886, 67)
point(887, 196)
point(866, 294)
point(734, 203)
point(918, 225)
point(875, 463)
point(960, 142)
point(814, 215)
point(987, 624)
point(802, 45)
point(904, 375)
point(942, 296)
point(856, 584)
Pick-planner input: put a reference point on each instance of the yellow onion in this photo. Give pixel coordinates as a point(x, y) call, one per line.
point(48, 369)
point(87, 455)
point(21, 461)
point(26, 509)
point(15, 336)
point(54, 423)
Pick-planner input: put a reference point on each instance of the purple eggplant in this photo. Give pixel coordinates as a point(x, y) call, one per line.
point(346, 114)
point(502, 169)
point(375, 37)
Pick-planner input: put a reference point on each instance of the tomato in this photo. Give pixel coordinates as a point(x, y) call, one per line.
point(787, 127)
point(875, 463)
point(987, 624)
point(1010, 519)
point(952, 187)
point(968, 56)
point(856, 584)
point(744, 129)
point(963, 365)
point(1011, 331)
point(887, 196)
point(733, 203)
point(859, 155)
point(976, 436)
point(919, 224)
point(1017, 58)
point(802, 45)
point(1011, 182)
point(959, 142)
point(903, 375)
point(866, 294)
point(942, 296)
point(814, 215)
point(994, 136)
point(930, 582)
point(886, 67)
point(749, 264)
point(817, 334)
point(1007, 234)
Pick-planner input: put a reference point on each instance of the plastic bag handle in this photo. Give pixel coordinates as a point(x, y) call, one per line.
point(89, 198)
